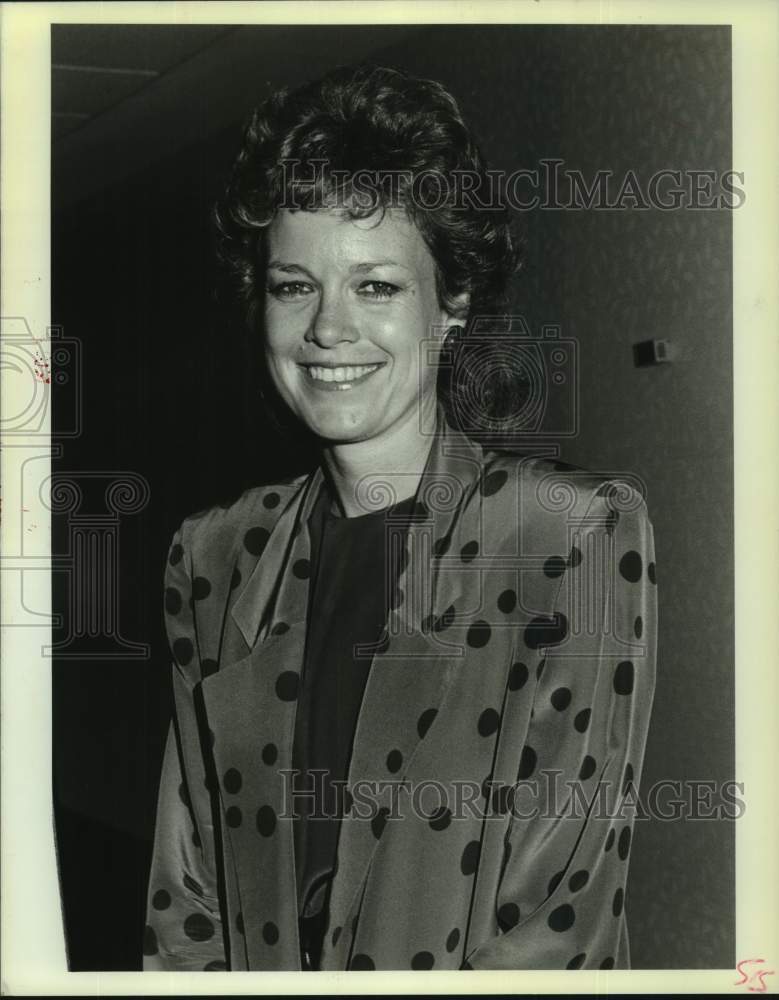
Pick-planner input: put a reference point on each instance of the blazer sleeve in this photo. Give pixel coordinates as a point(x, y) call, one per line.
point(183, 924)
point(561, 891)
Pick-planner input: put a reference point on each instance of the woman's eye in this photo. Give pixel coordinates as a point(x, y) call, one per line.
point(289, 289)
point(378, 289)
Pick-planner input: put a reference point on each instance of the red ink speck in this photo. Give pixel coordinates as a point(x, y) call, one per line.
point(753, 978)
point(42, 370)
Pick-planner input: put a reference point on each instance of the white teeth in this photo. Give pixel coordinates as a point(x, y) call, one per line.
point(342, 374)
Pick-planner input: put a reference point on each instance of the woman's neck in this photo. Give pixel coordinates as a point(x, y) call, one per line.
point(372, 474)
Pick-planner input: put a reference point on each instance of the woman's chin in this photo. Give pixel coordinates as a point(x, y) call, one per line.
point(341, 427)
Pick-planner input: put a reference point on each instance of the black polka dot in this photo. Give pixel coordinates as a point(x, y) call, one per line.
point(517, 676)
point(196, 839)
point(160, 900)
point(444, 620)
point(176, 553)
point(184, 795)
point(651, 573)
point(266, 820)
point(216, 966)
point(554, 566)
point(638, 627)
point(469, 551)
point(269, 753)
point(422, 960)
point(235, 579)
point(441, 818)
point(628, 779)
point(441, 546)
point(394, 761)
point(287, 685)
point(198, 927)
point(609, 840)
point(279, 628)
point(234, 817)
point(607, 963)
point(239, 924)
point(335, 935)
point(554, 881)
point(149, 941)
point(575, 557)
point(630, 566)
point(255, 540)
point(578, 880)
point(425, 721)
point(361, 963)
point(301, 569)
point(183, 650)
point(623, 845)
point(270, 932)
point(173, 602)
point(271, 500)
point(493, 482)
point(562, 918)
point(618, 901)
point(582, 720)
point(201, 588)
point(507, 602)
point(469, 861)
point(379, 821)
point(623, 677)
point(453, 939)
point(489, 720)
point(546, 631)
point(208, 667)
point(508, 916)
point(527, 763)
point(588, 768)
point(232, 781)
point(192, 884)
point(577, 961)
point(561, 699)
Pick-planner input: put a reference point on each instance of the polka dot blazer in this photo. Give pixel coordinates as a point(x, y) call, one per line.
point(493, 780)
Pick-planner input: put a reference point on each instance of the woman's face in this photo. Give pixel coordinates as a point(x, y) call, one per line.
point(350, 315)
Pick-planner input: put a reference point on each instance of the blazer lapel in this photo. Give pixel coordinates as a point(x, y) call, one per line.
point(251, 706)
point(412, 668)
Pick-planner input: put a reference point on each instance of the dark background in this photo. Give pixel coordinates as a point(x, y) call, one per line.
point(146, 121)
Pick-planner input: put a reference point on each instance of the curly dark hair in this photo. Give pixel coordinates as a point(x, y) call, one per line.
point(369, 138)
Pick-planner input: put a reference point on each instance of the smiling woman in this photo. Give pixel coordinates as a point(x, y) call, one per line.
point(371, 660)
point(351, 305)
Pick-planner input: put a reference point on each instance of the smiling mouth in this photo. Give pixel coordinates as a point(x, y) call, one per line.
point(341, 376)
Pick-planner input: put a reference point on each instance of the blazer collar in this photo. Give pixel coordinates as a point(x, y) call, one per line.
point(275, 594)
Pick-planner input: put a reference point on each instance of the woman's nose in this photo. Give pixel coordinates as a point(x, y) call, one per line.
point(331, 324)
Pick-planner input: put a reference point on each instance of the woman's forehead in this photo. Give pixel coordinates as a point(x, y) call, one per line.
point(331, 234)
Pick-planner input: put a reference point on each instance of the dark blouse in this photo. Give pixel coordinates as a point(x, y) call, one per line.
point(348, 606)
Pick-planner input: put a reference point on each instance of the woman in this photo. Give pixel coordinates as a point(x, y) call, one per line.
point(403, 679)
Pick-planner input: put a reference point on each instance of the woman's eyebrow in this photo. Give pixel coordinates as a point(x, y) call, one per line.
point(278, 265)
